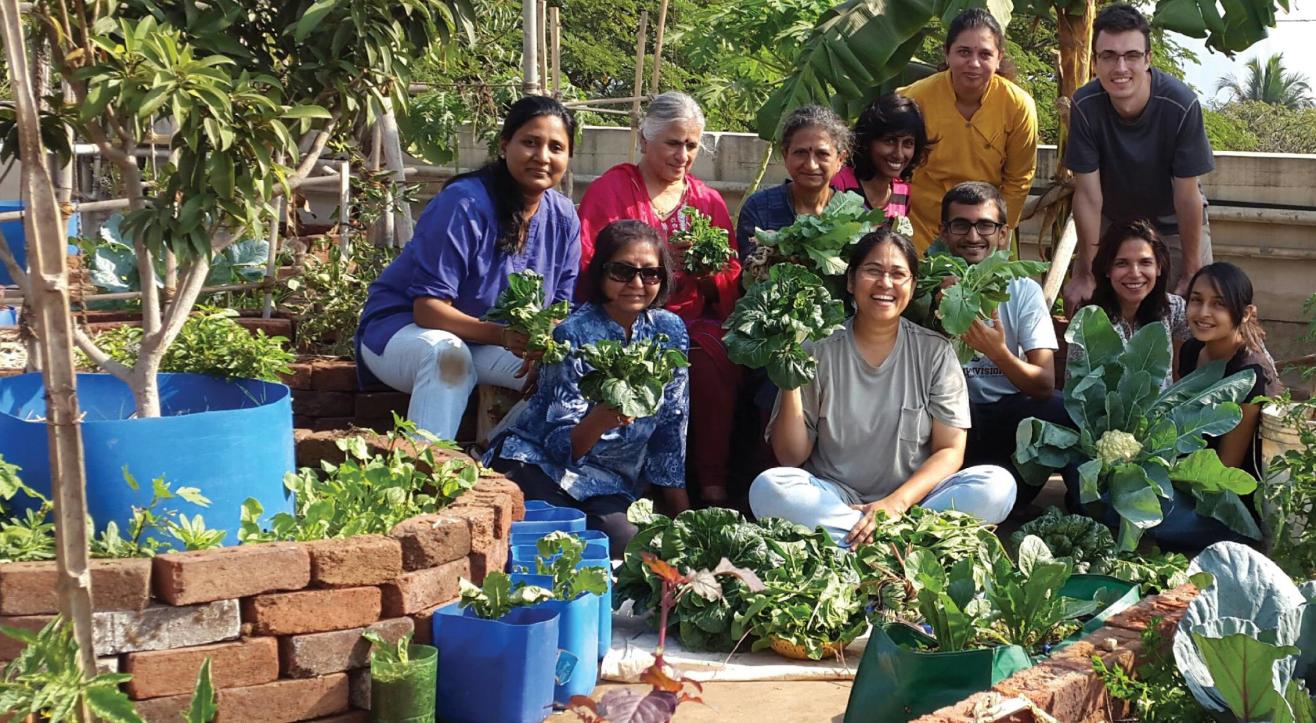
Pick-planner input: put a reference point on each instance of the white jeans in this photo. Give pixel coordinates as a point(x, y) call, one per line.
point(440, 371)
point(984, 491)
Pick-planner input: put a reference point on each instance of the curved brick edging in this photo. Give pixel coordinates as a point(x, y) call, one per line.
point(281, 621)
point(1065, 686)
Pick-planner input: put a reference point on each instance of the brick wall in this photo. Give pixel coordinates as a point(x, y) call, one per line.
point(281, 622)
point(325, 396)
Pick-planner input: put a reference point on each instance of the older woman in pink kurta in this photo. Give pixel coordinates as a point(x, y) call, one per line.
point(655, 191)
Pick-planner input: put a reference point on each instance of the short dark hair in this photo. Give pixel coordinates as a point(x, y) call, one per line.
point(1121, 18)
point(975, 18)
point(972, 193)
point(1157, 304)
point(889, 115)
point(613, 238)
point(876, 238)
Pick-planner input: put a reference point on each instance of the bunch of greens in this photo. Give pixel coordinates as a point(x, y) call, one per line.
point(498, 595)
point(810, 601)
point(210, 342)
point(980, 288)
point(949, 535)
point(1008, 605)
point(327, 297)
point(366, 494)
point(822, 242)
point(771, 321)
point(1090, 547)
point(521, 307)
point(1136, 444)
point(1156, 691)
point(629, 377)
point(1288, 498)
point(699, 540)
point(558, 554)
point(388, 660)
point(708, 251)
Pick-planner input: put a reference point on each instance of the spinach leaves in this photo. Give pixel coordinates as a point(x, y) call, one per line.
point(821, 242)
point(629, 377)
point(774, 317)
point(521, 307)
point(708, 251)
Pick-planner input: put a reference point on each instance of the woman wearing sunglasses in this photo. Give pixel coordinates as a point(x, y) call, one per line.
point(656, 191)
point(569, 453)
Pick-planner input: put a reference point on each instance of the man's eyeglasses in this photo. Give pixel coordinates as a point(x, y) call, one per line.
point(1132, 57)
point(984, 227)
point(623, 273)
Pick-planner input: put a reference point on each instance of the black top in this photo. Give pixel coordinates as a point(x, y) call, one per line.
point(1264, 385)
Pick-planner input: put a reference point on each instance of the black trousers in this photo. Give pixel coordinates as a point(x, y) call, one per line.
point(992, 438)
point(606, 513)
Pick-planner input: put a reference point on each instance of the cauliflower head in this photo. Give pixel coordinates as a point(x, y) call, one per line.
point(1115, 447)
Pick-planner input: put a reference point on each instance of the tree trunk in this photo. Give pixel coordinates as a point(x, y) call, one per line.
point(1074, 37)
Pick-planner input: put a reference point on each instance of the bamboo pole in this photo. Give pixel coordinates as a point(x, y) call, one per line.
point(529, 54)
point(658, 49)
point(541, 43)
point(403, 228)
point(344, 208)
point(271, 263)
point(48, 283)
point(555, 50)
point(638, 87)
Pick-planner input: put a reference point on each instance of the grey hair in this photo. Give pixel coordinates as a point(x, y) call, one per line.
point(816, 116)
point(668, 108)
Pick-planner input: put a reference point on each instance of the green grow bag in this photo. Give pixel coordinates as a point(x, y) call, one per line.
point(900, 678)
point(404, 692)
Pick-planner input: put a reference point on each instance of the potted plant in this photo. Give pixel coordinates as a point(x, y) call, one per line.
point(403, 680)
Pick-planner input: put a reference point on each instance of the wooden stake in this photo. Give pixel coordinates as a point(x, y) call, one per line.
point(640, 38)
point(658, 49)
point(48, 283)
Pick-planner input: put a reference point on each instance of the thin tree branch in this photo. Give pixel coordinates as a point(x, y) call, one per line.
point(99, 357)
point(16, 272)
point(193, 281)
point(313, 155)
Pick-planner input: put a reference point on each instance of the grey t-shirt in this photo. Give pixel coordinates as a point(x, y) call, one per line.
point(872, 426)
point(1027, 326)
point(1138, 159)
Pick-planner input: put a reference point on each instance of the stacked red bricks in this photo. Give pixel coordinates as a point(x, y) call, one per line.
point(325, 396)
point(281, 622)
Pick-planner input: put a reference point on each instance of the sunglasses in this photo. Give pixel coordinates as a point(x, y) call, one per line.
point(623, 273)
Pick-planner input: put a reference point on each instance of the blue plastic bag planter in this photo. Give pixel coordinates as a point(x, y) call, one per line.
point(578, 634)
point(496, 671)
point(521, 562)
point(545, 521)
point(230, 439)
point(17, 241)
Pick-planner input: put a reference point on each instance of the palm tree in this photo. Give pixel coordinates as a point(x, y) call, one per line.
point(1271, 84)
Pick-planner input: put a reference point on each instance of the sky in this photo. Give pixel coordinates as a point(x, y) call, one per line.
point(1292, 36)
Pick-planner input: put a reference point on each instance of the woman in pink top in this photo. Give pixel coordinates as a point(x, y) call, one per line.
point(890, 141)
point(655, 191)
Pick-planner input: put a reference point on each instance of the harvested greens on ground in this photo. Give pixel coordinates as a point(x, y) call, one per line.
point(981, 288)
point(771, 320)
point(1135, 444)
point(521, 307)
point(709, 250)
point(629, 377)
point(821, 242)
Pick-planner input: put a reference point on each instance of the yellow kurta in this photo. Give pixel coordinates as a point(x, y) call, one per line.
point(998, 145)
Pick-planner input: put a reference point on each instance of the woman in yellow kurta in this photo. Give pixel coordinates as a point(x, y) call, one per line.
point(985, 127)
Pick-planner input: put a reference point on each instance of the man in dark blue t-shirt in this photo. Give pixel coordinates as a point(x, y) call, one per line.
point(1137, 147)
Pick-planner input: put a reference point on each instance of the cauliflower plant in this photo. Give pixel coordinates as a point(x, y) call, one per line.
point(1115, 447)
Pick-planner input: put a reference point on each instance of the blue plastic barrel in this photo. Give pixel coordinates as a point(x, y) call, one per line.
point(578, 634)
point(17, 241)
point(496, 671)
point(230, 439)
point(522, 561)
point(546, 521)
point(8, 314)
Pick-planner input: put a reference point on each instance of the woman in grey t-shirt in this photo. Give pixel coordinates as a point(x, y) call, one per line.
point(882, 427)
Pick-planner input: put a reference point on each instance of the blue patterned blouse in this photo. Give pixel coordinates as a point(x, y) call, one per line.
point(625, 460)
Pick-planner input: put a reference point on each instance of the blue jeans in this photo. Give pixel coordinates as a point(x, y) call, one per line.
point(986, 492)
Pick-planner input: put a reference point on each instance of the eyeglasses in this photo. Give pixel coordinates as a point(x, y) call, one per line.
point(623, 273)
point(984, 227)
point(1131, 57)
point(894, 276)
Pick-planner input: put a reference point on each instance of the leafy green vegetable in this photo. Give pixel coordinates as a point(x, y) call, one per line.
point(1113, 397)
point(32, 536)
point(1157, 691)
point(498, 595)
point(210, 342)
point(46, 681)
point(521, 307)
point(771, 320)
point(1084, 542)
point(980, 288)
point(709, 250)
point(822, 242)
point(1287, 501)
point(558, 554)
point(629, 377)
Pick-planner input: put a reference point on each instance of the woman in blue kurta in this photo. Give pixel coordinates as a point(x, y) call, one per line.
point(421, 330)
point(565, 451)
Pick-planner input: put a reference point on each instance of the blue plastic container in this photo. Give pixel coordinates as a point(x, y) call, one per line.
point(17, 240)
point(538, 505)
point(521, 561)
point(496, 671)
point(545, 521)
point(532, 538)
point(578, 634)
point(230, 439)
point(8, 314)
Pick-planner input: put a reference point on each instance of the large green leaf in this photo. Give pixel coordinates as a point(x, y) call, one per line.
point(1203, 470)
point(1197, 422)
point(1229, 509)
point(1092, 332)
point(1148, 350)
point(1242, 668)
point(1134, 497)
point(1241, 24)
